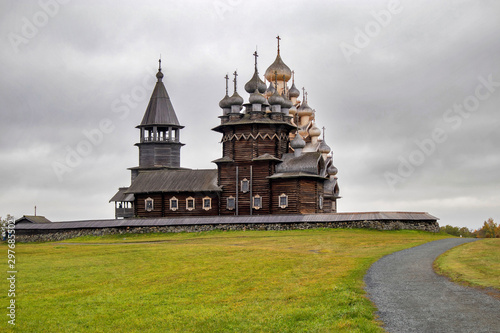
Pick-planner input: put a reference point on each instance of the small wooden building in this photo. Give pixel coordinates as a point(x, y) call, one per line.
point(273, 159)
point(32, 219)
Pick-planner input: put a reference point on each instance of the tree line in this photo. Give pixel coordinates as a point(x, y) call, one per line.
point(489, 230)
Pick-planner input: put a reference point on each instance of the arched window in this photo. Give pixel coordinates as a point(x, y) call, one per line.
point(283, 200)
point(174, 203)
point(257, 202)
point(207, 203)
point(245, 185)
point(149, 204)
point(231, 203)
point(190, 204)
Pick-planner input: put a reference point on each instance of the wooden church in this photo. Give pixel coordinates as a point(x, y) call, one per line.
point(273, 159)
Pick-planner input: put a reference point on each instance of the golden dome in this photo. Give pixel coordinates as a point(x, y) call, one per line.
point(278, 66)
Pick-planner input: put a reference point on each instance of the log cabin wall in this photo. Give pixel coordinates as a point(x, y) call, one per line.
point(289, 187)
point(161, 204)
point(310, 191)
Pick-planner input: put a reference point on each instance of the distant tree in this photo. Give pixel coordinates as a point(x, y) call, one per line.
point(489, 230)
point(456, 231)
point(3, 224)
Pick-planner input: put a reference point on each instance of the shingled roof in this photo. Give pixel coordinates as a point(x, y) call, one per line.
point(32, 219)
point(122, 196)
point(175, 181)
point(160, 110)
point(305, 163)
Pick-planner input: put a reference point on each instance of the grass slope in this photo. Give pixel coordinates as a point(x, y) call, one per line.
point(253, 281)
point(475, 264)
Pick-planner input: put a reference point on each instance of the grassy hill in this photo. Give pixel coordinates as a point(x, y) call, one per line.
point(248, 281)
point(475, 264)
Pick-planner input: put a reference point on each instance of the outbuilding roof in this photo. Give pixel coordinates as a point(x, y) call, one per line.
point(175, 181)
point(32, 219)
point(122, 196)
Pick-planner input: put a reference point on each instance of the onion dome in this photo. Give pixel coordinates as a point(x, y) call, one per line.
point(323, 147)
point(297, 142)
point(235, 99)
point(305, 109)
point(276, 99)
point(255, 82)
point(332, 170)
point(294, 92)
point(287, 104)
point(256, 98)
point(270, 90)
point(293, 110)
point(278, 66)
point(314, 130)
point(225, 102)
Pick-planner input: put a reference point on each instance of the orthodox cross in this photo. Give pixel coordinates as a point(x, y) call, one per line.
point(278, 38)
point(293, 77)
point(276, 78)
point(159, 64)
point(255, 55)
point(227, 80)
point(235, 75)
point(324, 133)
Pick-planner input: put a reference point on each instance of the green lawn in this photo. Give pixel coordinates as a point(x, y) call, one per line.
point(245, 281)
point(476, 264)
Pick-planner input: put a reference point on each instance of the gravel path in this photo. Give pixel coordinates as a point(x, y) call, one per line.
point(410, 297)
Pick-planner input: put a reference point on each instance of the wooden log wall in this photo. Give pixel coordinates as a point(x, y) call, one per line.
point(161, 207)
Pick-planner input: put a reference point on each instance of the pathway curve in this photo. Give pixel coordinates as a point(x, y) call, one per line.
point(411, 297)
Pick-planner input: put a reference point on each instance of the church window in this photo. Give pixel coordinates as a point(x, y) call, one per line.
point(257, 202)
point(231, 203)
point(174, 204)
point(245, 185)
point(320, 202)
point(190, 203)
point(207, 203)
point(283, 200)
point(149, 203)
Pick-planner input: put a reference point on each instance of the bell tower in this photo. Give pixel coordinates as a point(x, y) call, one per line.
point(159, 145)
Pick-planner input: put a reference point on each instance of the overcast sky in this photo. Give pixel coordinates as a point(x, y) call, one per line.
point(409, 93)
